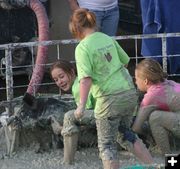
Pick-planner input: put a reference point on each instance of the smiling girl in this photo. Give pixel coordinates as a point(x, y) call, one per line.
point(65, 77)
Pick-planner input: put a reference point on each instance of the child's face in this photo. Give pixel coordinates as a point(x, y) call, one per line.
point(62, 79)
point(140, 82)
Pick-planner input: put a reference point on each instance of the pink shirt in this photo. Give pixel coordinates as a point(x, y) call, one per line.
point(163, 96)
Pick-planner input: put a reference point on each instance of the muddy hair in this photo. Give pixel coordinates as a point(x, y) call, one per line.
point(151, 70)
point(80, 19)
point(66, 66)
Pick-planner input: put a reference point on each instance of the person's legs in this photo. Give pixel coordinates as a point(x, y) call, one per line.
point(134, 144)
point(70, 132)
point(70, 146)
point(106, 130)
point(110, 21)
point(88, 119)
point(69, 124)
point(110, 113)
point(161, 123)
point(70, 137)
point(141, 152)
point(99, 17)
point(107, 21)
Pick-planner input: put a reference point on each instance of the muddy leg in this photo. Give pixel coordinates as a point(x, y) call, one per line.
point(141, 152)
point(110, 164)
point(160, 123)
point(107, 134)
point(70, 146)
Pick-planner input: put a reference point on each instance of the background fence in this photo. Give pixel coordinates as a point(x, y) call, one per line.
point(9, 71)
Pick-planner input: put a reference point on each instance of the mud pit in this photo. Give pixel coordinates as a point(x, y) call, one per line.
point(39, 147)
point(33, 126)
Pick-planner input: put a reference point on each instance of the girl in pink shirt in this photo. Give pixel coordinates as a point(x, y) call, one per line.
point(160, 105)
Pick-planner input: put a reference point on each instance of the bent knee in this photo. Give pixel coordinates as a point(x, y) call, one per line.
point(69, 115)
point(155, 116)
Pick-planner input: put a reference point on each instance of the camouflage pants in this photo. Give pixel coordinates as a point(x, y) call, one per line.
point(162, 123)
point(71, 124)
point(119, 110)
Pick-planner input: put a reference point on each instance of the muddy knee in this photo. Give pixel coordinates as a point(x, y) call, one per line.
point(155, 117)
point(164, 119)
point(69, 124)
point(69, 117)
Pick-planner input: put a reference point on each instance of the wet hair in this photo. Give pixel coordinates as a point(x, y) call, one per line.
point(151, 70)
point(66, 66)
point(80, 19)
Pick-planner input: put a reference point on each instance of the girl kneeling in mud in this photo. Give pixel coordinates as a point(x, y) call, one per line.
point(65, 77)
point(160, 105)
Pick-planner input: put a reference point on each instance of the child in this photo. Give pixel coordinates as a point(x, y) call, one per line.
point(160, 105)
point(64, 75)
point(101, 68)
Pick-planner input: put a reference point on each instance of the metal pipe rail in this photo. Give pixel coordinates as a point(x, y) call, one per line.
point(8, 68)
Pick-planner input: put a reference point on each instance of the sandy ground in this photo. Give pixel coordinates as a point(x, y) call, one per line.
point(86, 158)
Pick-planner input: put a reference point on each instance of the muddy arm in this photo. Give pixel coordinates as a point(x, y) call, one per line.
point(143, 115)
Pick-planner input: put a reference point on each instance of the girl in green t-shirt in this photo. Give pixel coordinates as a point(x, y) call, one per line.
point(101, 68)
point(65, 77)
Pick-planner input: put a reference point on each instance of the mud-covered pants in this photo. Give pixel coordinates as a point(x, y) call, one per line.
point(71, 124)
point(118, 110)
point(162, 123)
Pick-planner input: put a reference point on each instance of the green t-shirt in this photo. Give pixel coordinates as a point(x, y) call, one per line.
point(90, 104)
point(100, 57)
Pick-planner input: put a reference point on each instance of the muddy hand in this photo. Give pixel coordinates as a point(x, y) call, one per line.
point(79, 112)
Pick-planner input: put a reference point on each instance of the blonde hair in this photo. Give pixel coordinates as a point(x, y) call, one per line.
point(151, 70)
point(81, 18)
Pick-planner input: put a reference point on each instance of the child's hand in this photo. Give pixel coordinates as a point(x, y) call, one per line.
point(79, 111)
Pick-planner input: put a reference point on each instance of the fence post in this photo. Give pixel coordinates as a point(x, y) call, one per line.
point(11, 134)
point(164, 54)
point(9, 80)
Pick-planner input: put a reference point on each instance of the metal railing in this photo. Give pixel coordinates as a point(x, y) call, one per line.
point(7, 70)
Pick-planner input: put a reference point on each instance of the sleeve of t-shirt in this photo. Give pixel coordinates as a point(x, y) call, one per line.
point(75, 93)
point(124, 58)
point(83, 62)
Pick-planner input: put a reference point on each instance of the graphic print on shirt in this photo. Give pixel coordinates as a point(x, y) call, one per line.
point(108, 57)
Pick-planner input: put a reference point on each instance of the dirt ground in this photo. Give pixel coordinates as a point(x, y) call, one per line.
point(86, 158)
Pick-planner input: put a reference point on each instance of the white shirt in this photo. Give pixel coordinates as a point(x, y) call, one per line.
point(99, 5)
